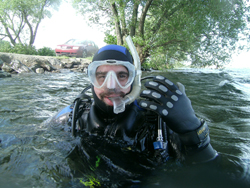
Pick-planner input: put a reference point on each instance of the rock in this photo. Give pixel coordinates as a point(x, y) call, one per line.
point(56, 71)
point(7, 68)
point(35, 66)
point(4, 74)
point(39, 70)
point(19, 63)
point(42, 63)
point(6, 57)
point(55, 63)
point(19, 67)
point(48, 67)
point(1, 63)
point(68, 65)
point(85, 70)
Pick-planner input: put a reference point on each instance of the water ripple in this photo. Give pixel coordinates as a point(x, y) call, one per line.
point(34, 155)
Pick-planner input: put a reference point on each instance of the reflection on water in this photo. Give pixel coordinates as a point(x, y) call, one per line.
point(35, 155)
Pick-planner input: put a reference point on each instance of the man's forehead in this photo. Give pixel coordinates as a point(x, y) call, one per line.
point(106, 68)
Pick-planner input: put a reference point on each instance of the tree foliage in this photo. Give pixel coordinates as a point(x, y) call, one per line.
point(19, 48)
point(20, 19)
point(205, 32)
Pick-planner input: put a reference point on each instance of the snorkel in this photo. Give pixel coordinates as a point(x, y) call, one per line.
point(119, 102)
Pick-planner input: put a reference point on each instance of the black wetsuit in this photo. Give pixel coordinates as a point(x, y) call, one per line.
point(137, 129)
point(123, 147)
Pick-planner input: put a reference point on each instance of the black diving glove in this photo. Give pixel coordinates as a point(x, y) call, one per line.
point(171, 103)
point(175, 108)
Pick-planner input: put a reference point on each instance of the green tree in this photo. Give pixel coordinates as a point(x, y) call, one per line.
point(205, 32)
point(20, 19)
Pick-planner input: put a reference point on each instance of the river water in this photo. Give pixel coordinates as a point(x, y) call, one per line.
point(33, 154)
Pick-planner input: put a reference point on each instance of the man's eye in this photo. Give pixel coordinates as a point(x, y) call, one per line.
point(122, 76)
point(101, 76)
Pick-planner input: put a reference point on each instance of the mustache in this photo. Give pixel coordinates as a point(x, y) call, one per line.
point(105, 94)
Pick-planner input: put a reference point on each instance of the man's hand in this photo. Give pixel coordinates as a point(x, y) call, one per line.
point(171, 103)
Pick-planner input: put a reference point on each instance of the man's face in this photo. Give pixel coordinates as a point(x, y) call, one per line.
point(114, 90)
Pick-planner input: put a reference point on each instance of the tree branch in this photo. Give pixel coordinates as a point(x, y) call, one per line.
point(169, 42)
point(30, 27)
point(124, 31)
point(134, 18)
point(166, 14)
point(143, 17)
point(7, 31)
point(117, 24)
point(38, 23)
point(20, 28)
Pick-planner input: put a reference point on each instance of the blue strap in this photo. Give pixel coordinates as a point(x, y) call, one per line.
point(136, 104)
point(64, 111)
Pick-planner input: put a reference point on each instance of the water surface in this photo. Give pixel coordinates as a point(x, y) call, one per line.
point(35, 155)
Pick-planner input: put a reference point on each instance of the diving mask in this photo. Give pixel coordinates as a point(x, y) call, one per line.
point(111, 75)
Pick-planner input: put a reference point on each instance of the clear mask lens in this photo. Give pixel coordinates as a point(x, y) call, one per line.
point(114, 74)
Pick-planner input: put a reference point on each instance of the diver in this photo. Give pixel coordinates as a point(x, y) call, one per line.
point(160, 122)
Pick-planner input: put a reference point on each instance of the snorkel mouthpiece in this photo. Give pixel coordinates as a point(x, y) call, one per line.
point(118, 102)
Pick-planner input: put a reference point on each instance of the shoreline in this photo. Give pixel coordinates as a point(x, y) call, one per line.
point(11, 63)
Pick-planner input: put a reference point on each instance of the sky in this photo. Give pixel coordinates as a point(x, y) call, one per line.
point(240, 61)
point(66, 24)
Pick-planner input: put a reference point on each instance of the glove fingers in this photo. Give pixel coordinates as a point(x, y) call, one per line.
point(150, 105)
point(167, 83)
point(152, 95)
point(158, 100)
point(158, 87)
